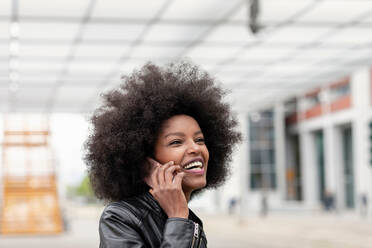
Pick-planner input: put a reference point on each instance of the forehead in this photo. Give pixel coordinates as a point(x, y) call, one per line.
point(179, 122)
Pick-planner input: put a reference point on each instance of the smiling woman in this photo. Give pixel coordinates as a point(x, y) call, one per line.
point(181, 141)
point(159, 139)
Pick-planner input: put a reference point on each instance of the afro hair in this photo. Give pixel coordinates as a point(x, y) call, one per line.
point(124, 129)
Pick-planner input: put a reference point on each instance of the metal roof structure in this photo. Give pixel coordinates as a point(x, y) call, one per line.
point(58, 56)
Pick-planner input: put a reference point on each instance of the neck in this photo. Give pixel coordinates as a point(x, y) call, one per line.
point(187, 195)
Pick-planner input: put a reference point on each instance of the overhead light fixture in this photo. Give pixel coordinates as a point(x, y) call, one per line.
point(14, 47)
point(14, 30)
point(13, 64)
point(13, 87)
point(13, 77)
point(253, 14)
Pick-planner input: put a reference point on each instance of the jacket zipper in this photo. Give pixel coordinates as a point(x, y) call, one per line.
point(196, 234)
point(200, 241)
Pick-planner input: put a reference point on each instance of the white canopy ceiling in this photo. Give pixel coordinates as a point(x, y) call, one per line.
point(60, 55)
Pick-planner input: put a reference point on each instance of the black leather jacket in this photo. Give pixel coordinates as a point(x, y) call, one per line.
point(140, 222)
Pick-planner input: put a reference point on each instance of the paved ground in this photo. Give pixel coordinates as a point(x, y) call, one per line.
point(274, 231)
point(290, 231)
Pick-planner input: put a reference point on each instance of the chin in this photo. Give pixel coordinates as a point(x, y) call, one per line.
point(195, 185)
point(200, 185)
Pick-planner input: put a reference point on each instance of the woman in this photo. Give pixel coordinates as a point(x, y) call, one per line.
point(161, 138)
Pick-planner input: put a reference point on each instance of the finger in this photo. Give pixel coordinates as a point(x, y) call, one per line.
point(170, 173)
point(161, 173)
point(152, 179)
point(151, 166)
point(178, 178)
point(151, 160)
point(148, 181)
point(153, 163)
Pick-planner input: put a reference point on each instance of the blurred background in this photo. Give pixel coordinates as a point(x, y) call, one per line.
point(299, 74)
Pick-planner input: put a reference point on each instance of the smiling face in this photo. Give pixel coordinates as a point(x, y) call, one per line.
point(181, 140)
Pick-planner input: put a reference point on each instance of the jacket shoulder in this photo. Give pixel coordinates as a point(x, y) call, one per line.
point(133, 208)
point(121, 224)
point(122, 211)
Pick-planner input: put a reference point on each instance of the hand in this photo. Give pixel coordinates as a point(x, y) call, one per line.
point(166, 187)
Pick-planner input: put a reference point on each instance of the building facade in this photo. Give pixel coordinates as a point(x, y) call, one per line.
point(307, 152)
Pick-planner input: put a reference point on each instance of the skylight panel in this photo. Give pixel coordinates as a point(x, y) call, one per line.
point(180, 33)
point(200, 10)
point(60, 8)
point(337, 11)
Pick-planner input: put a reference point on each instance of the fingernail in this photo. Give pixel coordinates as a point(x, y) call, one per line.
point(171, 162)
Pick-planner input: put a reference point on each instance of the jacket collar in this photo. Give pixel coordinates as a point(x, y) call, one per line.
point(147, 196)
point(153, 204)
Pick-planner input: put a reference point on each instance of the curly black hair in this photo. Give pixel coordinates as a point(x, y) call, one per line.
point(124, 129)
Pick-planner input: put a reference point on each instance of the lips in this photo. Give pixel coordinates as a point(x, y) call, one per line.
point(195, 166)
point(194, 161)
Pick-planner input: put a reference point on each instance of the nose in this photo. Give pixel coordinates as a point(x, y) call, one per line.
point(193, 148)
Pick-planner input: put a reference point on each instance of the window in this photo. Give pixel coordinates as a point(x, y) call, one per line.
point(340, 91)
point(262, 151)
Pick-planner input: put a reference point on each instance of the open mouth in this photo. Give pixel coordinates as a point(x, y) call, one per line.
point(194, 166)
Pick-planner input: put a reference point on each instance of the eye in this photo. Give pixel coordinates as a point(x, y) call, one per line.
point(200, 140)
point(175, 142)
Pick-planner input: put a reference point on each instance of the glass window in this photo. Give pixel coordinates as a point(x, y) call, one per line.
point(340, 91)
point(262, 153)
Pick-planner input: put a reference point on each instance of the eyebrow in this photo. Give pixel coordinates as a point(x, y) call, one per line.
point(180, 134)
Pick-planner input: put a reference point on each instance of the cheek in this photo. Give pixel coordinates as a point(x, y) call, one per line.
point(168, 154)
point(206, 154)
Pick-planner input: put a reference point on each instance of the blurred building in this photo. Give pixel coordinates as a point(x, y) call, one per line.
point(303, 147)
point(307, 152)
point(29, 201)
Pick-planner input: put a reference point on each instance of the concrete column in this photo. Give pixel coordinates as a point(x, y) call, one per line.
point(308, 169)
point(329, 144)
point(360, 89)
point(279, 130)
point(243, 162)
point(217, 200)
point(338, 167)
point(236, 186)
point(329, 158)
point(308, 161)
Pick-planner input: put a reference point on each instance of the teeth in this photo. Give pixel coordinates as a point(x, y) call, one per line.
point(197, 163)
